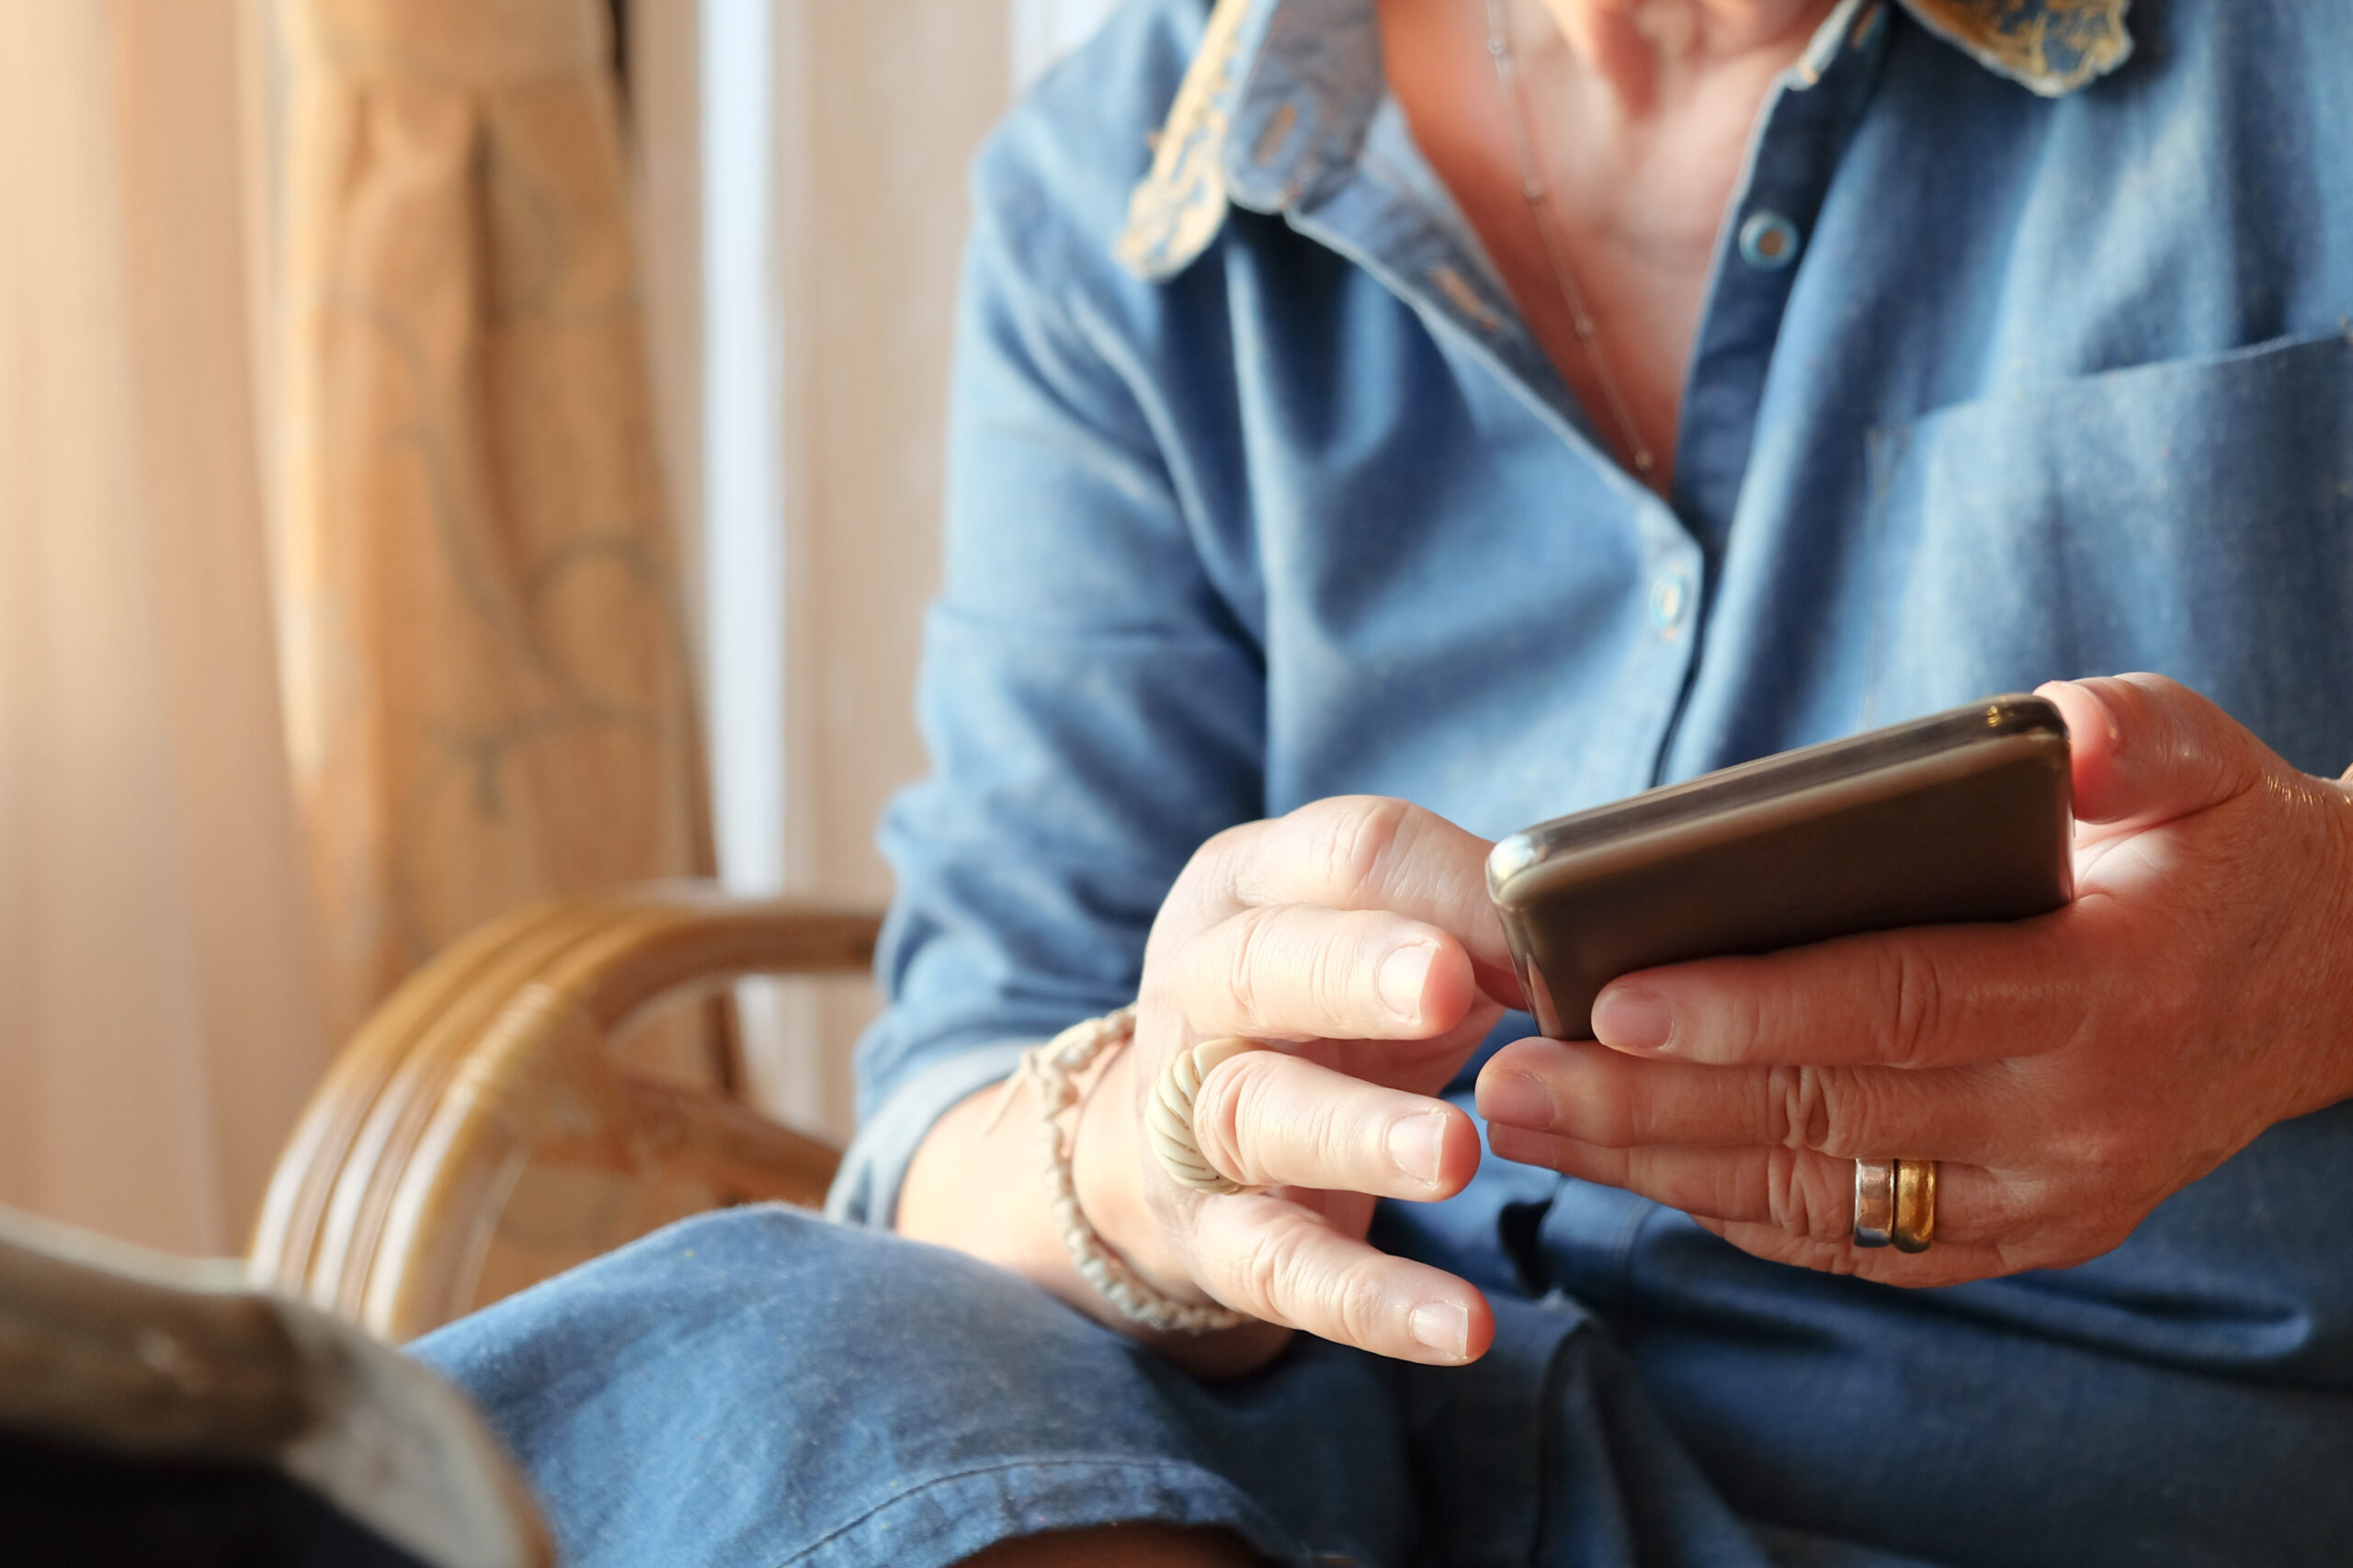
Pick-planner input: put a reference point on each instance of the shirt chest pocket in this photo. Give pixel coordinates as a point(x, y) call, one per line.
point(2192, 517)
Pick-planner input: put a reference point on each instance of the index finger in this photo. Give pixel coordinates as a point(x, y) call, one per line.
point(1924, 997)
point(1369, 852)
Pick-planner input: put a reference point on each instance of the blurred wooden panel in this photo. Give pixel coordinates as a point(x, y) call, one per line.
point(881, 106)
point(663, 45)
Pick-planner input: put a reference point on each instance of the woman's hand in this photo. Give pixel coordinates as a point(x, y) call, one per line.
point(1356, 935)
point(2071, 1072)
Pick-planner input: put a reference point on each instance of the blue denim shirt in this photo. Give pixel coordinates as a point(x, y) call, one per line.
point(1261, 491)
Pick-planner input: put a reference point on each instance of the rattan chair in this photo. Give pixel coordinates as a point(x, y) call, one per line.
point(480, 1134)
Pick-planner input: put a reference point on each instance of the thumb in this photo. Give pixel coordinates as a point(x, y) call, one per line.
point(2147, 750)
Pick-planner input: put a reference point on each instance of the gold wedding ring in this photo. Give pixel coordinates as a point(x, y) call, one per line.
point(1916, 1205)
point(1874, 1203)
point(1896, 1204)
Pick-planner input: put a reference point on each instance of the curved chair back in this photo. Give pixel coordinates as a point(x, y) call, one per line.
point(478, 1134)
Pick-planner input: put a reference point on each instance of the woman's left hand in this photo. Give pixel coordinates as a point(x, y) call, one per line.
point(2070, 1073)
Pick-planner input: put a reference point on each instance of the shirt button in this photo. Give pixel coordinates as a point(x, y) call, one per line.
point(1670, 596)
point(1770, 242)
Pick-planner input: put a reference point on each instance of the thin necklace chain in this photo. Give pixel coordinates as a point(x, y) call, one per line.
point(1540, 206)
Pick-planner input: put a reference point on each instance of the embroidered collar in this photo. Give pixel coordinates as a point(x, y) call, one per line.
point(2052, 46)
point(1275, 102)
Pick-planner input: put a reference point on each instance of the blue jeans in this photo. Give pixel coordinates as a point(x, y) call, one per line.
point(762, 1387)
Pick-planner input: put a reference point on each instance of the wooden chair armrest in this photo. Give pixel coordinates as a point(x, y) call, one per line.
point(491, 1063)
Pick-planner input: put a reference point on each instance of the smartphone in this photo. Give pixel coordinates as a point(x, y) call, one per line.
point(1965, 815)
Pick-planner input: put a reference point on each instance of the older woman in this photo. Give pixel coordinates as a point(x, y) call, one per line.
point(1381, 424)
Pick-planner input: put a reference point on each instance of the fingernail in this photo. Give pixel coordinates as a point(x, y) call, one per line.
point(1443, 1326)
point(1414, 1143)
point(1404, 974)
point(1515, 1099)
point(2090, 690)
point(1630, 1017)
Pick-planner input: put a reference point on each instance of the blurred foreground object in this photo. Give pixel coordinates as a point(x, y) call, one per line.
point(489, 693)
point(478, 1135)
point(155, 1411)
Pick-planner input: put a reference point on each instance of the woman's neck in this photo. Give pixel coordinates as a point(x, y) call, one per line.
point(1640, 113)
point(1652, 56)
point(1644, 108)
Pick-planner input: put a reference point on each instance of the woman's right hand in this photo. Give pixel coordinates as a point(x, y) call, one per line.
point(1354, 937)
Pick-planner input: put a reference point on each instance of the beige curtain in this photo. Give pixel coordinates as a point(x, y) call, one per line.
point(488, 683)
point(485, 681)
point(159, 1023)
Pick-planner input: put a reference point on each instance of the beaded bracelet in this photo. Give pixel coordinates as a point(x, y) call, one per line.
point(1051, 1067)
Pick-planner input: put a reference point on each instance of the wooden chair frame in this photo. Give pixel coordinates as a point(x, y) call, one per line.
point(493, 1058)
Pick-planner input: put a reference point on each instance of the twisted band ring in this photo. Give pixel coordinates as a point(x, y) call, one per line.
point(1168, 1120)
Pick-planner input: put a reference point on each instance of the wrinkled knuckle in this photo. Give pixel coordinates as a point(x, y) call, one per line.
point(1751, 1016)
point(1632, 1120)
point(1801, 1207)
point(1334, 1142)
point(1359, 1308)
point(1850, 1113)
point(1248, 956)
point(1268, 1266)
point(1337, 981)
point(1357, 838)
point(1916, 1007)
point(1801, 1103)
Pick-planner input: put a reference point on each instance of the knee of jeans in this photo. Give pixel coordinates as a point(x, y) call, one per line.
point(846, 1295)
point(762, 1319)
point(780, 1296)
point(830, 1276)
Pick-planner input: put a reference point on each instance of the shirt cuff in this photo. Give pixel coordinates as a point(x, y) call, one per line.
point(866, 1189)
